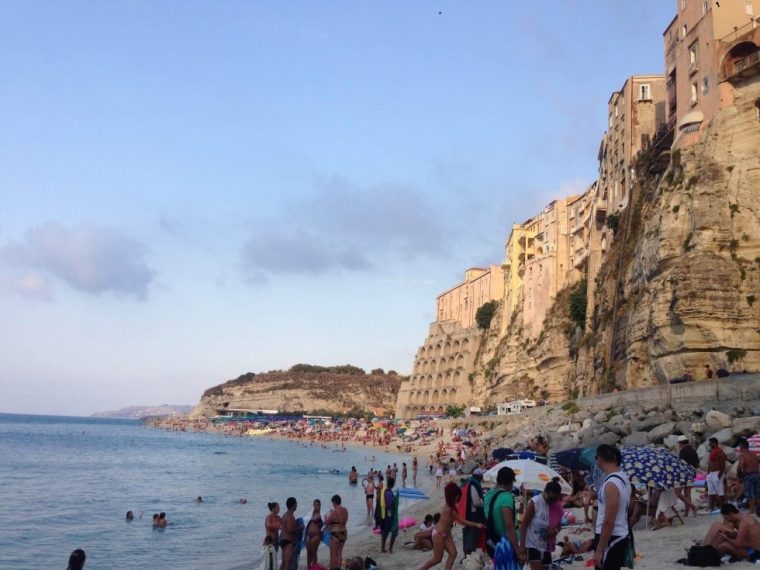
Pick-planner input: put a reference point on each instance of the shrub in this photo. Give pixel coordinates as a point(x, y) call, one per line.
point(578, 303)
point(735, 355)
point(613, 220)
point(455, 411)
point(379, 371)
point(750, 300)
point(734, 208)
point(485, 313)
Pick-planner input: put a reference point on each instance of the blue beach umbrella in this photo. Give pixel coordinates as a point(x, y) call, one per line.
point(409, 493)
point(501, 453)
point(571, 459)
point(655, 467)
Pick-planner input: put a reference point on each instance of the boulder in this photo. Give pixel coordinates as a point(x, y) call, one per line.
point(587, 423)
point(671, 442)
point(756, 410)
point(698, 427)
point(683, 427)
point(617, 419)
point(600, 417)
point(636, 438)
point(746, 426)
point(610, 438)
point(717, 420)
point(661, 432)
point(648, 423)
point(724, 436)
point(574, 427)
point(563, 429)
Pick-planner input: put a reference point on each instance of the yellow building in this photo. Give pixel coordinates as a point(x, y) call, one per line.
point(460, 303)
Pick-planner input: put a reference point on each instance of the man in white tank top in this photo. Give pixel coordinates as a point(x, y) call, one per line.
point(611, 538)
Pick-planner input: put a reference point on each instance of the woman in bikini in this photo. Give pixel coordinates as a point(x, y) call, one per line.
point(336, 519)
point(273, 524)
point(442, 539)
point(313, 534)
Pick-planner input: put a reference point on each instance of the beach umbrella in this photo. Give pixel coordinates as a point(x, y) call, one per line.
point(530, 474)
point(656, 467)
point(410, 493)
point(754, 443)
point(571, 459)
point(501, 453)
point(467, 443)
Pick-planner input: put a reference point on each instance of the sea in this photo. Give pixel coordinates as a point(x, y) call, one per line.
point(68, 482)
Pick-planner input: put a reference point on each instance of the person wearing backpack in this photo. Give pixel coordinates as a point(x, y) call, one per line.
point(473, 511)
point(612, 533)
point(501, 536)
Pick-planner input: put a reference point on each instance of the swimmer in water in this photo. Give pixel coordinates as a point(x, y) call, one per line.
point(199, 500)
point(243, 501)
point(155, 520)
point(162, 522)
point(130, 516)
point(353, 476)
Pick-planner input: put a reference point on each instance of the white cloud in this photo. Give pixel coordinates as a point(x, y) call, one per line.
point(90, 258)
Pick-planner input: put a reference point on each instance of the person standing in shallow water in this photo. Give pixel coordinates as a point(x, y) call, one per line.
point(77, 560)
point(314, 534)
point(288, 533)
point(273, 524)
point(336, 520)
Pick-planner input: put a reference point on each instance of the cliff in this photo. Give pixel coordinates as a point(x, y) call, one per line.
point(304, 388)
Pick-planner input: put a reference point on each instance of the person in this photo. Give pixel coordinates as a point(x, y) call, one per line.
point(687, 454)
point(414, 471)
point(738, 535)
point(423, 539)
point(749, 470)
point(162, 522)
point(452, 470)
point(473, 512)
point(708, 372)
point(356, 564)
point(336, 519)
point(77, 559)
point(611, 532)
point(369, 491)
point(576, 546)
point(499, 506)
point(273, 524)
point(314, 533)
point(431, 464)
point(199, 500)
point(535, 528)
point(442, 538)
point(378, 494)
point(288, 533)
point(394, 472)
point(155, 520)
point(388, 516)
point(716, 472)
point(438, 475)
point(540, 446)
point(269, 555)
point(404, 474)
point(130, 516)
point(353, 476)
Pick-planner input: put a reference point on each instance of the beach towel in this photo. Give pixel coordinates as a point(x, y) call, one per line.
point(505, 557)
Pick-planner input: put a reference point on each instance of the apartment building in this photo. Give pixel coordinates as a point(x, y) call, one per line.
point(710, 47)
point(460, 303)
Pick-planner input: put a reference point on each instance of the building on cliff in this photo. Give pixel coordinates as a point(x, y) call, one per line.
point(443, 364)
point(708, 46)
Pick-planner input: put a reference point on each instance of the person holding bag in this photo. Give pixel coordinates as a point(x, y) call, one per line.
point(501, 536)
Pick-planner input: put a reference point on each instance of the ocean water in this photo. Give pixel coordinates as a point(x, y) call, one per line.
point(67, 483)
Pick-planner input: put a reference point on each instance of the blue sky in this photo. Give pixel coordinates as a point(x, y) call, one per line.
point(193, 190)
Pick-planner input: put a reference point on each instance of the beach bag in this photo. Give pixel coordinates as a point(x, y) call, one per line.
point(703, 556)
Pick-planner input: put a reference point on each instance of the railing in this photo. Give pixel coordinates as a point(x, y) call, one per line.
point(728, 39)
point(740, 65)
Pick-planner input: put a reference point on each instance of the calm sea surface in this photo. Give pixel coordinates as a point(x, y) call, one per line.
point(67, 483)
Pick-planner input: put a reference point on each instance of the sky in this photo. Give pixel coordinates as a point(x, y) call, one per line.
point(193, 190)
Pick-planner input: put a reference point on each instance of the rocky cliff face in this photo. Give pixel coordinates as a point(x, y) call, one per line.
point(680, 287)
point(303, 389)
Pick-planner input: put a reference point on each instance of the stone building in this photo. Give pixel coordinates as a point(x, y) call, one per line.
point(443, 364)
point(709, 45)
point(460, 303)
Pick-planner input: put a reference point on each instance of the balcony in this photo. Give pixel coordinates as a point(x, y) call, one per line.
point(742, 62)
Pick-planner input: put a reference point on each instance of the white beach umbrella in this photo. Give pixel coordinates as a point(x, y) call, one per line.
point(531, 474)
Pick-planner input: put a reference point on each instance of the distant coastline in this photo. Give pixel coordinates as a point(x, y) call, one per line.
point(138, 412)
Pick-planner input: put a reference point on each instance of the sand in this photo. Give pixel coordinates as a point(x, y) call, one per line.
point(656, 550)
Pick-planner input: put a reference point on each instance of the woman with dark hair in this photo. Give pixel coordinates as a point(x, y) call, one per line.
point(536, 529)
point(336, 519)
point(273, 524)
point(76, 560)
point(313, 534)
point(442, 539)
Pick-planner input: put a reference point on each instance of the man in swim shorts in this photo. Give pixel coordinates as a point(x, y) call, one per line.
point(738, 535)
point(716, 473)
point(749, 470)
point(369, 492)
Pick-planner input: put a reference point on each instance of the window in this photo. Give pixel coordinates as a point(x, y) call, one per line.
point(748, 8)
point(683, 4)
point(693, 60)
point(705, 7)
point(705, 85)
point(684, 29)
point(616, 110)
point(694, 92)
point(645, 92)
